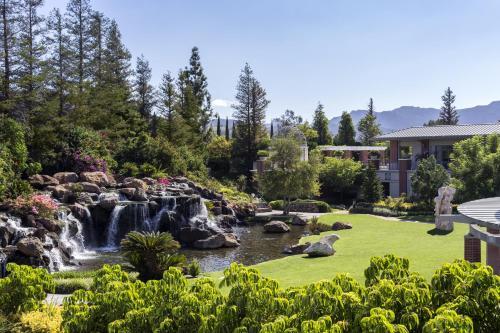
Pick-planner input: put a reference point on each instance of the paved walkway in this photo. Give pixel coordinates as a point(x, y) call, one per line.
point(280, 212)
point(56, 299)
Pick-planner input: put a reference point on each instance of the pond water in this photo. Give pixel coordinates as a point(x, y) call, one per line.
point(256, 247)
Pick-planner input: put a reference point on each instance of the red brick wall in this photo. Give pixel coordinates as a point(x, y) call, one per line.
point(493, 253)
point(472, 248)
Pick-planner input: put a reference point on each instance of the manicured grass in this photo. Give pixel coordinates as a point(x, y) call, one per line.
point(370, 236)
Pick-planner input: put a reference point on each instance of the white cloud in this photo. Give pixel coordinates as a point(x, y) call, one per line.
point(221, 103)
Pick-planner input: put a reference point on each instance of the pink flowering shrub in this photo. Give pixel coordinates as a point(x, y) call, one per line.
point(83, 162)
point(163, 181)
point(37, 204)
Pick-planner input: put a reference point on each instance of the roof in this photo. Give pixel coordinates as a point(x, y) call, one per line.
point(352, 148)
point(485, 210)
point(441, 131)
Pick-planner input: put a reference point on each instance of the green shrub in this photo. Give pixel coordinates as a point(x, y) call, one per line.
point(68, 286)
point(129, 169)
point(277, 204)
point(316, 227)
point(263, 153)
point(194, 268)
point(321, 206)
point(24, 289)
point(48, 319)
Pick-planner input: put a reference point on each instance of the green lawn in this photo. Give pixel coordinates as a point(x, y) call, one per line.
point(370, 236)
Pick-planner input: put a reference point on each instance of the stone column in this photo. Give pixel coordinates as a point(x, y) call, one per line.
point(472, 248)
point(394, 155)
point(364, 156)
point(493, 253)
point(403, 175)
point(347, 154)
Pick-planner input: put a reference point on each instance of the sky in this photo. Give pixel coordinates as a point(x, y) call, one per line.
point(337, 52)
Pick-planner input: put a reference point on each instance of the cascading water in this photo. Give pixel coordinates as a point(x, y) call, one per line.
point(111, 238)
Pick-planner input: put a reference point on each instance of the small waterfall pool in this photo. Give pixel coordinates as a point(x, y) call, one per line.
point(256, 247)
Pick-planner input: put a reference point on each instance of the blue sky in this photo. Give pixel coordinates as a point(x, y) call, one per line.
point(343, 52)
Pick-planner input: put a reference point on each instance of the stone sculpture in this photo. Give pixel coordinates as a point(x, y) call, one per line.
point(443, 207)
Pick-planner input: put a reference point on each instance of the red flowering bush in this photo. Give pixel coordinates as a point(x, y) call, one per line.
point(83, 162)
point(37, 204)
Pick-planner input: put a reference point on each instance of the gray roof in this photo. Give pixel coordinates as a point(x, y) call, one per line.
point(441, 131)
point(485, 210)
point(352, 148)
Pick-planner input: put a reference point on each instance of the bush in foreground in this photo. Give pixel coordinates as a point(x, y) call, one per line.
point(461, 297)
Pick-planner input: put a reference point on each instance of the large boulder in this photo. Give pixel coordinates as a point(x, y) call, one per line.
point(323, 248)
point(108, 200)
point(135, 183)
point(128, 192)
point(276, 227)
point(299, 220)
point(79, 211)
point(341, 226)
point(98, 178)
point(62, 193)
point(296, 249)
point(231, 240)
point(139, 195)
point(191, 234)
point(42, 181)
point(50, 225)
point(90, 187)
point(30, 247)
point(7, 234)
point(212, 242)
point(66, 177)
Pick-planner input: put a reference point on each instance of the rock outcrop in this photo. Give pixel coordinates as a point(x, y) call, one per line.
point(323, 248)
point(276, 227)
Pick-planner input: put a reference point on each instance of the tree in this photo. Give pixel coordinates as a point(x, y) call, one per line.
point(346, 135)
point(290, 119)
point(310, 134)
point(218, 126)
point(250, 112)
point(288, 177)
point(151, 253)
point(144, 91)
point(371, 188)
point(8, 11)
point(448, 114)
point(475, 167)
point(167, 102)
point(271, 134)
point(368, 126)
point(99, 26)
point(340, 176)
point(219, 156)
point(320, 124)
point(198, 82)
point(78, 25)
point(428, 178)
point(226, 129)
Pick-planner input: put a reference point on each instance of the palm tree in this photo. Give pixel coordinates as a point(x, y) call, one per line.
point(151, 253)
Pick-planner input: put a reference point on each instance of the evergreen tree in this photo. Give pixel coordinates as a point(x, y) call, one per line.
point(98, 29)
point(233, 131)
point(346, 135)
point(250, 112)
point(368, 126)
point(116, 58)
point(59, 61)
point(198, 81)
point(448, 114)
point(227, 129)
point(290, 119)
point(272, 130)
point(320, 124)
point(371, 188)
point(167, 103)
point(144, 91)
point(78, 14)
point(218, 126)
point(8, 10)
point(30, 77)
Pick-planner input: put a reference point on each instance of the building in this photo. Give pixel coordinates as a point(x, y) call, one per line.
point(408, 146)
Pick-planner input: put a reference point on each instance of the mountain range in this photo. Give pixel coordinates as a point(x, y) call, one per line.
point(410, 116)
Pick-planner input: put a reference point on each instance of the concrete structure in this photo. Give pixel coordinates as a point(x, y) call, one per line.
point(483, 216)
point(364, 154)
point(408, 146)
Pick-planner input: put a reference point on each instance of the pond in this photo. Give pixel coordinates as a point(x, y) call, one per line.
point(256, 247)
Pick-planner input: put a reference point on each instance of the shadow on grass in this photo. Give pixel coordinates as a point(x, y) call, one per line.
point(439, 232)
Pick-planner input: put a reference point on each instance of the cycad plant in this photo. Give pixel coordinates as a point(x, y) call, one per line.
point(151, 253)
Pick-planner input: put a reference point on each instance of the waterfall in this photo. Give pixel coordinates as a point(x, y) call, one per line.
point(113, 226)
point(168, 204)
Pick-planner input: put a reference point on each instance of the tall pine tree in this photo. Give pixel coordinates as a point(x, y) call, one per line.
point(227, 129)
point(218, 126)
point(320, 124)
point(99, 25)
point(250, 113)
point(448, 114)
point(8, 11)
point(368, 126)
point(144, 91)
point(167, 102)
point(346, 135)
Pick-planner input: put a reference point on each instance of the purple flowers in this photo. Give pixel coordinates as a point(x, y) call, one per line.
point(163, 181)
point(85, 162)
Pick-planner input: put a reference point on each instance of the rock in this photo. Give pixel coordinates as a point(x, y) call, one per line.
point(225, 210)
point(28, 221)
point(90, 187)
point(149, 181)
point(192, 234)
point(135, 183)
point(98, 178)
point(217, 211)
point(139, 195)
point(299, 220)
point(128, 192)
point(111, 180)
point(40, 233)
point(79, 211)
point(50, 225)
point(108, 200)
point(296, 249)
point(276, 227)
point(62, 193)
point(31, 247)
point(323, 248)
point(7, 234)
point(341, 226)
point(84, 198)
point(231, 240)
point(227, 221)
point(212, 242)
point(9, 252)
point(66, 177)
point(41, 181)
point(443, 206)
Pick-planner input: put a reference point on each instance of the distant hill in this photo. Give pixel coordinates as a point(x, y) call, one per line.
point(409, 116)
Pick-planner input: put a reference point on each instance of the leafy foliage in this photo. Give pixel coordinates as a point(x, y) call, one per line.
point(371, 188)
point(428, 178)
point(368, 127)
point(339, 176)
point(151, 253)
